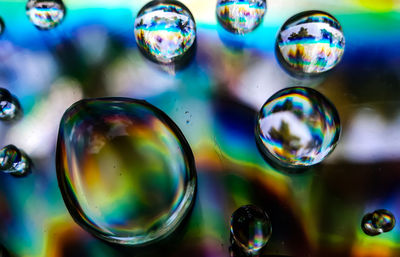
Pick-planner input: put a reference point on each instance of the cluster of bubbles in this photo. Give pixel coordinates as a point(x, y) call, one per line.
point(297, 127)
point(251, 229)
point(14, 161)
point(125, 170)
point(10, 108)
point(378, 222)
point(45, 14)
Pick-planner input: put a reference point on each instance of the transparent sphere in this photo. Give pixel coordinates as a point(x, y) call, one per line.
point(14, 161)
point(165, 31)
point(297, 127)
point(10, 109)
point(250, 228)
point(45, 14)
point(378, 222)
point(125, 170)
point(310, 43)
point(241, 16)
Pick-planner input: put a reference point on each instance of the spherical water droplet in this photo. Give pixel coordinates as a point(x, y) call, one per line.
point(14, 161)
point(45, 14)
point(10, 109)
point(125, 170)
point(298, 127)
point(378, 222)
point(241, 16)
point(310, 43)
point(250, 228)
point(165, 31)
point(8, 156)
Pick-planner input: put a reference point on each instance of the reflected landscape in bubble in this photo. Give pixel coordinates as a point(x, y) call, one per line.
point(311, 43)
point(45, 14)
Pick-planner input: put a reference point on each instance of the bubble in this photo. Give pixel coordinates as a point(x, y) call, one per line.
point(378, 222)
point(250, 228)
point(14, 161)
point(10, 109)
point(297, 127)
point(2, 26)
point(310, 43)
point(165, 31)
point(241, 16)
point(125, 170)
point(45, 14)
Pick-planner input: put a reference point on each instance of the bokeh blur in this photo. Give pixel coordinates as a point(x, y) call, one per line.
point(214, 100)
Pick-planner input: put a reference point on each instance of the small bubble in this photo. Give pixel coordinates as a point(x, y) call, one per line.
point(250, 229)
point(298, 127)
point(14, 161)
point(378, 222)
point(8, 156)
point(2, 26)
point(45, 14)
point(309, 43)
point(125, 170)
point(10, 108)
point(165, 31)
point(241, 16)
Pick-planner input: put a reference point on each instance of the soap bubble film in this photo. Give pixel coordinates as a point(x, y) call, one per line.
point(297, 126)
point(310, 43)
point(165, 31)
point(250, 228)
point(125, 170)
point(45, 14)
point(241, 16)
point(378, 222)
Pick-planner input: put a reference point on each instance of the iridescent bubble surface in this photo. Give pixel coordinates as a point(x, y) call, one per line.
point(298, 127)
point(250, 228)
point(45, 14)
point(241, 16)
point(378, 222)
point(165, 31)
point(14, 161)
point(310, 43)
point(125, 170)
point(10, 107)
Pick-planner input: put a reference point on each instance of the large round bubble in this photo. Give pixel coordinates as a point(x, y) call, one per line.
point(310, 43)
point(165, 31)
point(45, 14)
point(125, 170)
point(298, 127)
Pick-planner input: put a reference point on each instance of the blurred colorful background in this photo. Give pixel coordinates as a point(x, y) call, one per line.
point(214, 100)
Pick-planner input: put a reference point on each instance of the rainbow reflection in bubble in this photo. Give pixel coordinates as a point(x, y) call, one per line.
point(311, 42)
point(165, 31)
point(45, 14)
point(298, 126)
point(125, 170)
point(241, 16)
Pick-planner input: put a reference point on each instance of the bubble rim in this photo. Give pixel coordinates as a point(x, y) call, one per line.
point(287, 166)
point(181, 212)
point(187, 55)
point(286, 66)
